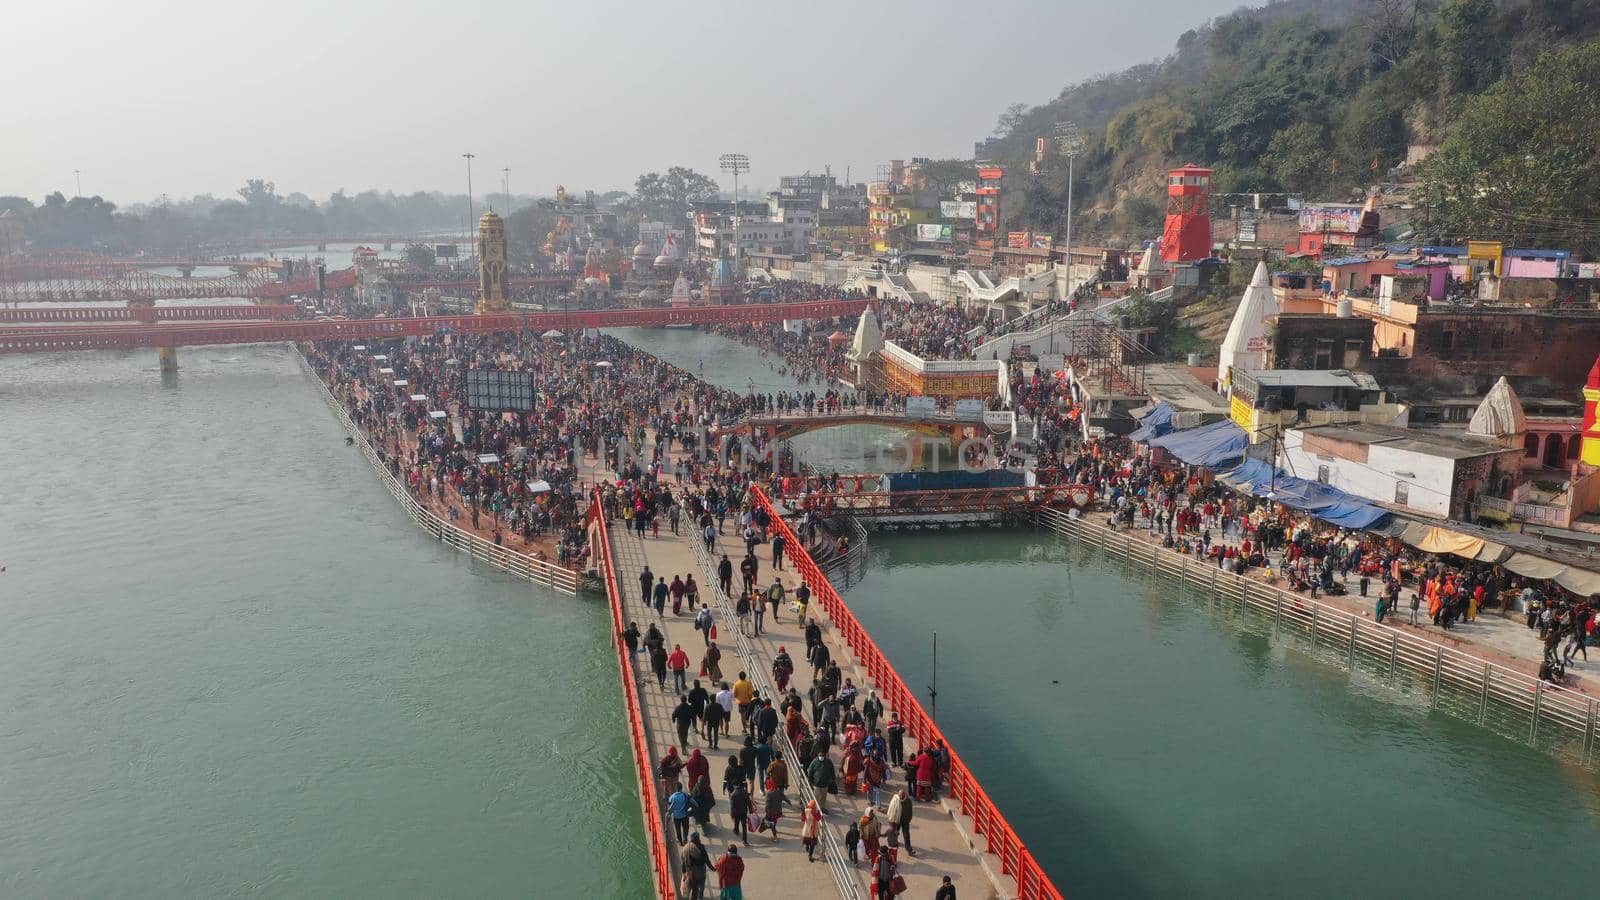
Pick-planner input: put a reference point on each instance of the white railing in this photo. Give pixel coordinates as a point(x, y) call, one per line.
point(1510, 703)
point(522, 565)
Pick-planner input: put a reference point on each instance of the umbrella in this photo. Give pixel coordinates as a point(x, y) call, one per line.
point(552, 333)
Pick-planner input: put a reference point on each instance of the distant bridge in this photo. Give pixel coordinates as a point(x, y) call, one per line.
point(147, 314)
point(111, 336)
point(797, 422)
point(956, 501)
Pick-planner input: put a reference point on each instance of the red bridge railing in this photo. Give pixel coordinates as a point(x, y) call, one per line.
point(1000, 838)
point(644, 770)
point(71, 314)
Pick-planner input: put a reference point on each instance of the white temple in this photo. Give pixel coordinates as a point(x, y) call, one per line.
point(669, 252)
point(1499, 416)
point(1245, 348)
point(681, 295)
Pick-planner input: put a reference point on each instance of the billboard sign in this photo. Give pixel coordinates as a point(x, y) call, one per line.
point(1020, 239)
point(958, 209)
point(444, 251)
point(500, 390)
point(939, 233)
point(920, 408)
point(969, 410)
point(1335, 218)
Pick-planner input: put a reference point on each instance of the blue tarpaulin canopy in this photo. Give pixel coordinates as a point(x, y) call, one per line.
point(1254, 476)
point(1155, 423)
point(1217, 444)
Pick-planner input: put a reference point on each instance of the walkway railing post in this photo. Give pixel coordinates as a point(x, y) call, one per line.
point(1483, 702)
point(1354, 624)
point(1313, 628)
point(1438, 663)
point(1538, 702)
point(1588, 735)
point(1394, 654)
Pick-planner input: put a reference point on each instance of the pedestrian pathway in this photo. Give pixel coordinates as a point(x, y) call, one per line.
point(780, 869)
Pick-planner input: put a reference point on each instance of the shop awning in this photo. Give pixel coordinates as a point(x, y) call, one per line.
point(1217, 444)
point(1153, 424)
point(1531, 566)
point(1580, 581)
point(1256, 477)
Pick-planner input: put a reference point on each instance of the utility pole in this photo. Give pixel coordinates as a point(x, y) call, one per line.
point(469, 157)
point(505, 187)
point(933, 689)
point(78, 175)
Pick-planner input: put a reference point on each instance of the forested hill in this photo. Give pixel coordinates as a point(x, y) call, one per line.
point(1320, 97)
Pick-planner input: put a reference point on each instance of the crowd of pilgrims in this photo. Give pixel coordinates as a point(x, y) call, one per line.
point(599, 400)
point(840, 739)
point(1190, 513)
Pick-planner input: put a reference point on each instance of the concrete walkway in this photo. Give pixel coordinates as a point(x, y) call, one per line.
point(780, 869)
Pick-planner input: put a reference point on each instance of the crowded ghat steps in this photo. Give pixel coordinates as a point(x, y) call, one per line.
point(779, 869)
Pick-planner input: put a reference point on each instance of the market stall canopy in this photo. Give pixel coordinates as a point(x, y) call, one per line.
point(1258, 478)
point(539, 487)
point(487, 459)
point(1154, 424)
point(418, 398)
point(1219, 443)
point(436, 414)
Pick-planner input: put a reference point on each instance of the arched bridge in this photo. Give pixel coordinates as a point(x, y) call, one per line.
point(112, 336)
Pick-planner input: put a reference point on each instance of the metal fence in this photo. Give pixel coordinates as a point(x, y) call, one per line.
point(1510, 703)
point(521, 565)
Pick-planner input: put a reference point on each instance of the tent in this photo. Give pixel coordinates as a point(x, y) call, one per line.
point(1217, 444)
point(1153, 424)
point(539, 487)
point(1258, 478)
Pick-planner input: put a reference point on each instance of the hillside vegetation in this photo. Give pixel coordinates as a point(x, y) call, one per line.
point(1322, 98)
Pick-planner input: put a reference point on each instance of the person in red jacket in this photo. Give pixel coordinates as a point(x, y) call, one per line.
point(678, 662)
point(730, 871)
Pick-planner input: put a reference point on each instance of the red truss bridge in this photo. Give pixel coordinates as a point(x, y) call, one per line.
point(111, 335)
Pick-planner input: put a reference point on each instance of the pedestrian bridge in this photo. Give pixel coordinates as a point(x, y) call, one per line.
point(792, 424)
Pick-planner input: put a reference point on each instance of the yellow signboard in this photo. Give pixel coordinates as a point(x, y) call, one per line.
point(1241, 412)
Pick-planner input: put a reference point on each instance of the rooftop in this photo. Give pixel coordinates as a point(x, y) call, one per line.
point(1299, 378)
point(1430, 443)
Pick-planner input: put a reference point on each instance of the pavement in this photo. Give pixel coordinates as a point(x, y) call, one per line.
point(1496, 635)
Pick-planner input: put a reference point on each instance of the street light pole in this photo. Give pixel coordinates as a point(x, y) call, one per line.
point(735, 163)
point(505, 187)
point(78, 175)
point(1071, 144)
point(933, 689)
point(469, 157)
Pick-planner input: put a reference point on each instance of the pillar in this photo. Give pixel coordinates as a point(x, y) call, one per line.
point(186, 271)
point(168, 357)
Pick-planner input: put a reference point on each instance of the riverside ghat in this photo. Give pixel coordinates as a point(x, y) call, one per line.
point(649, 471)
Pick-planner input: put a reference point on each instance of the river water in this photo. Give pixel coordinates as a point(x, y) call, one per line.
point(1143, 746)
point(233, 666)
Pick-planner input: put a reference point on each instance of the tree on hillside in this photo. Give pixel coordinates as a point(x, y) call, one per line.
point(1390, 26)
point(1466, 38)
point(1010, 119)
point(1298, 158)
point(1521, 164)
point(667, 197)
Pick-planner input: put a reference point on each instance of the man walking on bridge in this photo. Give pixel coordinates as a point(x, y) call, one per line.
point(778, 544)
point(647, 580)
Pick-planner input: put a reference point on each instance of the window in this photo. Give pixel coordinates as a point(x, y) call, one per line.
point(1401, 493)
point(1497, 340)
point(1322, 474)
point(1530, 446)
point(1458, 413)
point(1447, 340)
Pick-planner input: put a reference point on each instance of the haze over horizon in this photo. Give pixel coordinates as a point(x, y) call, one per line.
point(184, 98)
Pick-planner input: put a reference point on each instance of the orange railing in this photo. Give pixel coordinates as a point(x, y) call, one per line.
point(999, 837)
point(654, 832)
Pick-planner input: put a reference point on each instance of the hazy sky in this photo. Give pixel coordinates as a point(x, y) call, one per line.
point(181, 97)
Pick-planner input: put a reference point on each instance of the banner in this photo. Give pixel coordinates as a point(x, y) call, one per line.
point(1021, 239)
point(1337, 218)
point(958, 209)
point(921, 408)
point(936, 233)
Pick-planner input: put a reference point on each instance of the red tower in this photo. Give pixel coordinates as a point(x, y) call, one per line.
point(988, 224)
point(1187, 235)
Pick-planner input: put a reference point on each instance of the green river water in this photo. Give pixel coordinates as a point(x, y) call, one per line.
point(233, 667)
